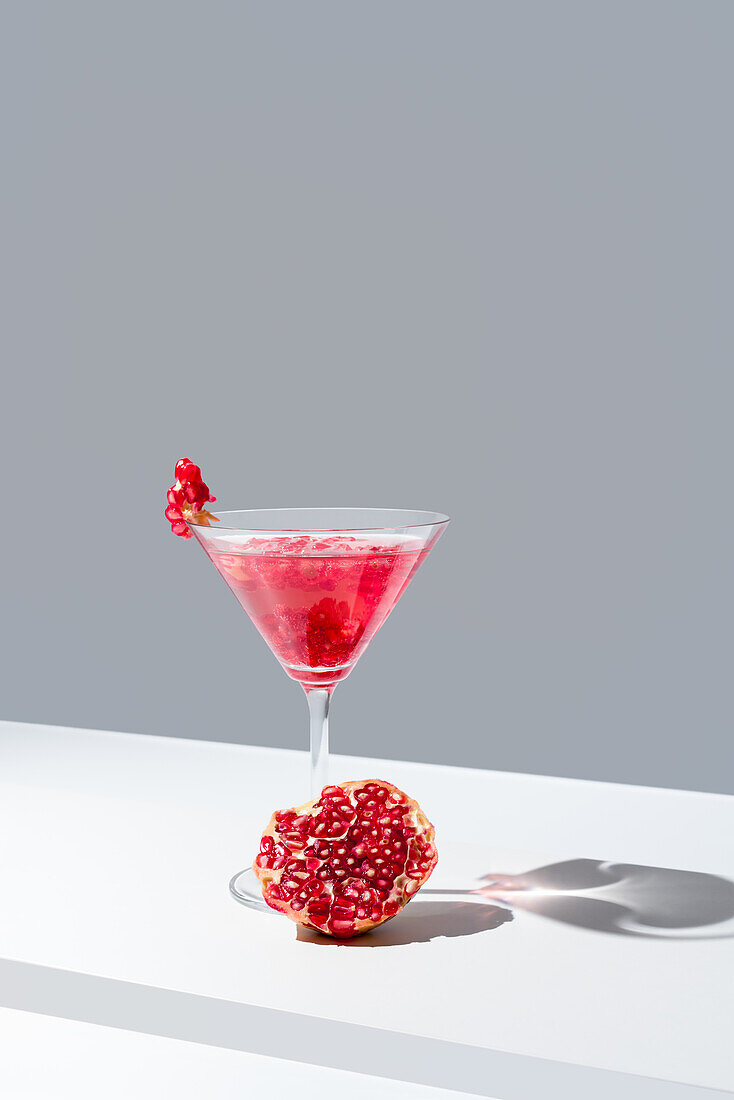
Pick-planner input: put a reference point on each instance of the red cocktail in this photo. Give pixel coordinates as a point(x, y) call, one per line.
point(319, 600)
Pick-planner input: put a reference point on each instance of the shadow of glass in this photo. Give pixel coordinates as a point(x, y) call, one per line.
point(420, 922)
point(618, 898)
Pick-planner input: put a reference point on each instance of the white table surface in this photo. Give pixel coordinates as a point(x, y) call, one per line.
point(114, 860)
point(48, 1058)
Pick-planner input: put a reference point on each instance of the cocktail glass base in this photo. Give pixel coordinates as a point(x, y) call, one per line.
point(245, 888)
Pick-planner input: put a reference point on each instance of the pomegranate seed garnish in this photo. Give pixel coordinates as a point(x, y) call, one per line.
point(186, 498)
point(351, 859)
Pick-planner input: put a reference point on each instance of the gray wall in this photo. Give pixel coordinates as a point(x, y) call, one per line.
point(471, 257)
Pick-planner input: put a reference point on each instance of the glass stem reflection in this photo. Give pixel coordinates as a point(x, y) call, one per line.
point(318, 710)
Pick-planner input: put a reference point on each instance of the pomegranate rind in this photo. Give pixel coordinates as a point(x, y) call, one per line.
point(348, 860)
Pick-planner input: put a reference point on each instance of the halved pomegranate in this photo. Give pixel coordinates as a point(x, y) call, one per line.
point(349, 860)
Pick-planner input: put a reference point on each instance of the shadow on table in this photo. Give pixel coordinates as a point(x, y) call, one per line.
point(422, 921)
point(621, 899)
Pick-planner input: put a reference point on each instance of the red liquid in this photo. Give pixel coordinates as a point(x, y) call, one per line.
point(318, 602)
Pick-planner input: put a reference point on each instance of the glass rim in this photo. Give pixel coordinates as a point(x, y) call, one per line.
point(437, 519)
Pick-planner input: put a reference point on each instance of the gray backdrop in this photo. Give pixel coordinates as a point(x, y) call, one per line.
point(463, 256)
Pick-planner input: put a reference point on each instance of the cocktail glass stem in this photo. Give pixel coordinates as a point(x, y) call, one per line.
point(318, 710)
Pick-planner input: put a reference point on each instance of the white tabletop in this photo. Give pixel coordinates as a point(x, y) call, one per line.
point(592, 961)
point(48, 1058)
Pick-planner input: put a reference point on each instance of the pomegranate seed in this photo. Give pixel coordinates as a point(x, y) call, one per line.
point(342, 928)
point(186, 470)
point(380, 851)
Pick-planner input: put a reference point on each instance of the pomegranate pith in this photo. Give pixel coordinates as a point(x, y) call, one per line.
point(349, 860)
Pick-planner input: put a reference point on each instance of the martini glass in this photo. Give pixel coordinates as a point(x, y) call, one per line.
point(318, 583)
